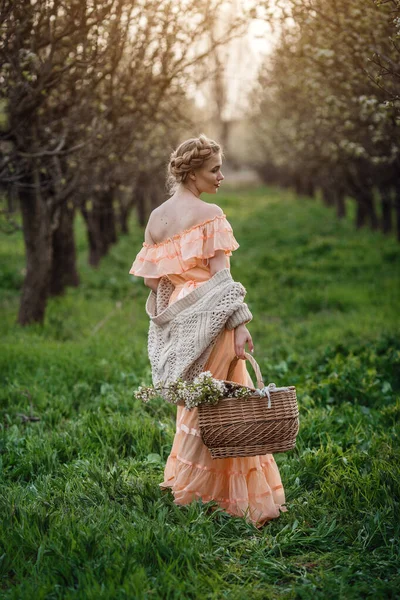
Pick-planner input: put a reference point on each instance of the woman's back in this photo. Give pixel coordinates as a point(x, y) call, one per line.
point(177, 215)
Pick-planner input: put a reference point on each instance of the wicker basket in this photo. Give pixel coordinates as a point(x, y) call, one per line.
point(247, 426)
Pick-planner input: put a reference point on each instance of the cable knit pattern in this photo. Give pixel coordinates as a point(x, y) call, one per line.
point(181, 252)
point(182, 334)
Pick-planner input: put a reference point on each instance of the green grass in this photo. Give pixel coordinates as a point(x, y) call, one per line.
point(82, 513)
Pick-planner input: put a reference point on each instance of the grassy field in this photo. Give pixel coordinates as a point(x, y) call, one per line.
point(82, 514)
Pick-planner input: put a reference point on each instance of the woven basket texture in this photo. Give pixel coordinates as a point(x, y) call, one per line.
point(246, 426)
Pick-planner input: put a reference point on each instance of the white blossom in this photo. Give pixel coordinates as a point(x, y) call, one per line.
point(204, 389)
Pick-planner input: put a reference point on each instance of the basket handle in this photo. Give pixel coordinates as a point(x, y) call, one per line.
point(254, 364)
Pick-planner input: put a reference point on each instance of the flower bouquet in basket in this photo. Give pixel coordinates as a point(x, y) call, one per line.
point(234, 419)
point(204, 389)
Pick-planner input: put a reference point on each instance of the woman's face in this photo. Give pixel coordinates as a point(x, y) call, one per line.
point(209, 176)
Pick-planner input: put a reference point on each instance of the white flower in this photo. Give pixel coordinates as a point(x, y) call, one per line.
point(204, 389)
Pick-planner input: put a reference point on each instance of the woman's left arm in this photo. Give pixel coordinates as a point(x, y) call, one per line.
point(150, 282)
point(241, 338)
point(217, 262)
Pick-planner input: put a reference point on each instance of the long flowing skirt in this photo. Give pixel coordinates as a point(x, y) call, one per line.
point(249, 487)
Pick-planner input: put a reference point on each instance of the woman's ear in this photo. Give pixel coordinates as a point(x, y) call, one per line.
point(192, 175)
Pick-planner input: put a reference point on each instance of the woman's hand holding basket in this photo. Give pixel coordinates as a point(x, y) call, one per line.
point(242, 337)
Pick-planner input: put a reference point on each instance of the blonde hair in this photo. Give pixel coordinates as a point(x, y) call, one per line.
point(190, 155)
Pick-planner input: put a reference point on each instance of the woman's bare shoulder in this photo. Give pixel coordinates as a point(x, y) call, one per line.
point(169, 219)
point(200, 209)
point(212, 210)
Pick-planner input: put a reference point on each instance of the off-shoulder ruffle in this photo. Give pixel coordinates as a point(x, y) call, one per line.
point(180, 252)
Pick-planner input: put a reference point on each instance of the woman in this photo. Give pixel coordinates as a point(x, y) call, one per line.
point(189, 240)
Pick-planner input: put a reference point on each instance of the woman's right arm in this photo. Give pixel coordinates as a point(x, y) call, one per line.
point(152, 283)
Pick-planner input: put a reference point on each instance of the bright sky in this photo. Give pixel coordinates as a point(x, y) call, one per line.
point(242, 60)
point(261, 37)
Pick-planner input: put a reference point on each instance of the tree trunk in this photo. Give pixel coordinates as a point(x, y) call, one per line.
point(225, 132)
point(370, 208)
point(361, 212)
point(397, 208)
point(107, 220)
point(124, 209)
point(340, 203)
point(386, 202)
point(100, 224)
point(309, 188)
point(64, 272)
point(297, 185)
point(366, 209)
point(123, 216)
point(96, 251)
point(141, 206)
point(36, 222)
point(327, 196)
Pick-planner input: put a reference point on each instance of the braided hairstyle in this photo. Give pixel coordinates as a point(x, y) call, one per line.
point(190, 155)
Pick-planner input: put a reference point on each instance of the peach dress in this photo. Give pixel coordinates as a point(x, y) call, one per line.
point(249, 487)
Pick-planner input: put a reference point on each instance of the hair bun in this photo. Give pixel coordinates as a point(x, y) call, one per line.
point(190, 155)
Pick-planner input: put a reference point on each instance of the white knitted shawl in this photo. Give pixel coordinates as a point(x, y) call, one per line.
point(182, 335)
